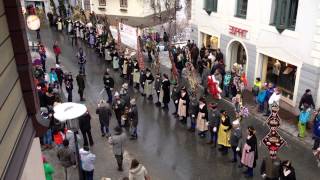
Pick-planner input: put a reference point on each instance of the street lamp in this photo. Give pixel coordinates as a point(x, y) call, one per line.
point(68, 113)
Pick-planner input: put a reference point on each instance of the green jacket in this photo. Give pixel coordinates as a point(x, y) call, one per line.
point(48, 170)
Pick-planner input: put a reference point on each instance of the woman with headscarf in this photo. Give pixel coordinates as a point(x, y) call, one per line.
point(250, 152)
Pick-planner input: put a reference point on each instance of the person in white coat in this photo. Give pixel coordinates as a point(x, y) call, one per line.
point(138, 171)
point(274, 98)
point(87, 162)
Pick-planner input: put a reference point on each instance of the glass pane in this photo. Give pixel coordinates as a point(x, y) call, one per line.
point(242, 8)
point(282, 13)
point(293, 13)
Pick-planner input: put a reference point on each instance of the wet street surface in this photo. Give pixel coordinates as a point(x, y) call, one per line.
point(164, 146)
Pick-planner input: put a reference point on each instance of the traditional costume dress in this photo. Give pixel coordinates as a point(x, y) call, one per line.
point(149, 85)
point(202, 118)
point(213, 86)
point(59, 25)
point(125, 67)
point(69, 26)
point(136, 73)
point(250, 153)
point(183, 106)
point(164, 96)
point(224, 131)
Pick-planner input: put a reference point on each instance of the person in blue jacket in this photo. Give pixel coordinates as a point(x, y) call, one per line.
point(316, 131)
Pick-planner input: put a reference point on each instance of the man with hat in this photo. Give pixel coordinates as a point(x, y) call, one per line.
point(133, 118)
point(117, 142)
point(214, 121)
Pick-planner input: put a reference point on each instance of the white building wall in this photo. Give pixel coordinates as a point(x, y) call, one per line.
point(300, 47)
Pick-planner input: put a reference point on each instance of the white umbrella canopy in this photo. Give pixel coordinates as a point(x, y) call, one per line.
point(68, 111)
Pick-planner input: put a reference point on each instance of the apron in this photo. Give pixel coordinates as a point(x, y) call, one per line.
point(69, 27)
point(224, 137)
point(107, 56)
point(182, 109)
point(136, 76)
point(201, 122)
point(115, 63)
point(247, 158)
point(148, 88)
point(161, 95)
point(125, 68)
point(59, 26)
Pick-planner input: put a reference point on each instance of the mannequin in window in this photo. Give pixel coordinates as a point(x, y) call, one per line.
point(276, 71)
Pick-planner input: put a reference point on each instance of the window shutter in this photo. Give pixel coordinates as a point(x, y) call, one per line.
point(281, 18)
point(215, 5)
point(208, 6)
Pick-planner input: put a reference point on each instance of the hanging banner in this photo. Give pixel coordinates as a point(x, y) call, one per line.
point(114, 32)
point(128, 35)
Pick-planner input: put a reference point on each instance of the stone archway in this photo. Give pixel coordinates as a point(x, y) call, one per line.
point(237, 54)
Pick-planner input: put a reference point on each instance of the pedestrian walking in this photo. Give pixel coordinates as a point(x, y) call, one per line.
point(137, 171)
point(202, 118)
point(81, 85)
point(82, 61)
point(71, 138)
point(157, 87)
point(287, 172)
point(57, 51)
point(304, 118)
point(69, 88)
point(108, 85)
point(85, 127)
point(48, 168)
point(274, 98)
point(104, 112)
point(183, 105)
point(52, 76)
point(164, 94)
point(66, 157)
point(134, 119)
point(43, 56)
point(117, 141)
point(87, 162)
point(143, 78)
point(306, 100)
point(118, 107)
point(235, 140)
point(60, 74)
point(224, 132)
point(250, 152)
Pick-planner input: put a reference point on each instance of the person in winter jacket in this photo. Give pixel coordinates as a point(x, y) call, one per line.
point(81, 85)
point(66, 156)
point(117, 141)
point(87, 162)
point(104, 112)
point(175, 96)
point(118, 106)
point(52, 76)
point(70, 137)
point(193, 112)
point(165, 92)
point(85, 127)
point(57, 51)
point(157, 87)
point(306, 100)
point(214, 121)
point(133, 118)
point(59, 74)
point(137, 171)
point(108, 85)
point(81, 55)
point(316, 131)
point(235, 140)
point(304, 118)
point(287, 172)
point(48, 168)
point(274, 98)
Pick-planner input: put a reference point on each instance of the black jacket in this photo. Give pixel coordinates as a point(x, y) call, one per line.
point(108, 82)
point(166, 91)
point(306, 99)
point(84, 122)
point(80, 82)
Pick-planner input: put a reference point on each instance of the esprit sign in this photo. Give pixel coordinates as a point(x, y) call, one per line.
point(235, 31)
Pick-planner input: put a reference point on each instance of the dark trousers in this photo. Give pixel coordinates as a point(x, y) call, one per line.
point(213, 135)
point(81, 94)
point(57, 59)
point(69, 96)
point(176, 106)
point(119, 159)
point(108, 90)
point(88, 175)
point(235, 153)
point(104, 127)
point(43, 62)
point(87, 134)
point(316, 143)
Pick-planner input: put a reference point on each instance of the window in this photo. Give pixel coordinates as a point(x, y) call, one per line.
point(124, 3)
point(285, 14)
point(242, 6)
point(102, 2)
point(210, 6)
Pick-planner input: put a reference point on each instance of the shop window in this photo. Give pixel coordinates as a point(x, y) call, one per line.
point(210, 41)
point(282, 75)
point(123, 3)
point(102, 2)
point(284, 14)
point(210, 6)
point(242, 6)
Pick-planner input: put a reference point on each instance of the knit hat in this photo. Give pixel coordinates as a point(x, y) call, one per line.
point(133, 101)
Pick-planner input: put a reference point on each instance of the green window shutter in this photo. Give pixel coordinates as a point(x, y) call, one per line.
point(215, 5)
point(282, 15)
point(208, 6)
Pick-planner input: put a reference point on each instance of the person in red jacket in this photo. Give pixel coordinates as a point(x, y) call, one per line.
point(57, 51)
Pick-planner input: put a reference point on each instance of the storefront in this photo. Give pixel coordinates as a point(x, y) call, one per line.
point(282, 74)
point(210, 40)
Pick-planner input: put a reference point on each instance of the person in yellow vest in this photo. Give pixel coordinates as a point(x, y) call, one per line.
point(224, 132)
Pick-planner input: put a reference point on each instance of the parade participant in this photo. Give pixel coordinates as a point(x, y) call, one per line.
point(104, 112)
point(287, 172)
point(270, 168)
point(87, 162)
point(214, 121)
point(81, 85)
point(175, 95)
point(213, 87)
point(117, 141)
point(130, 71)
point(202, 118)
point(165, 91)
point(133, 119)
point(250, 152)
point(85, 127)
point(157, 87)
point(224, 132)
point(118, 107)
point(125, 68)
point(193, 112)
point(82, 61)
point(138, 171)
point(226, 84)
point(204, 78)
point(149, 84)
point(91, 39)
point(59, 24)
point(136, 74)
point(235, 140)
point(108, 85)
point(57, 51)
point(183, 105)
point(143, 79)
point(124, 95)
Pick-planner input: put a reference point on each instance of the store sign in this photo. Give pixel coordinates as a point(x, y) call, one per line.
point(128, 35)
point(235, 31)
point(33, 22)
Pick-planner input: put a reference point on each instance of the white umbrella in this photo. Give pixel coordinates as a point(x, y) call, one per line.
point(68, 111)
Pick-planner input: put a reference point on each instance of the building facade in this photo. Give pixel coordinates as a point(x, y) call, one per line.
point(19, 107)
point(276, 40)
